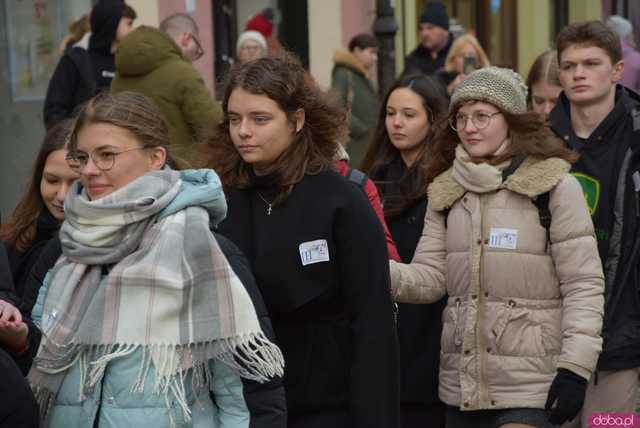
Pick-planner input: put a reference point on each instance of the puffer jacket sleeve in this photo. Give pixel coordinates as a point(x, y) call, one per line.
point(226, 390)
point(579, 270)
point(423, 280)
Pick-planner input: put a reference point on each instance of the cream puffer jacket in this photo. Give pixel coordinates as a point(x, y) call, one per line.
point(517, 309)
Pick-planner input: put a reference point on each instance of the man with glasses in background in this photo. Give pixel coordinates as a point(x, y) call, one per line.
point(158, 64)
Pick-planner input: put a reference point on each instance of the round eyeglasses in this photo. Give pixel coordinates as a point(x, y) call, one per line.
point(103, 158)
point(479, 119)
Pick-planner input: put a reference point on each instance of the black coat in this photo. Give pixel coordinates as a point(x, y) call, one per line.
point(419, 326)
point(621, 327)
point(421, 61)
point(333, 318)
point(8, 293)
point(22, 262)
point(81, 73)
point(266, 402)
point(18, 408)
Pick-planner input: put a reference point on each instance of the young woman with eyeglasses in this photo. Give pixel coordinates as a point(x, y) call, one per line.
point(509, 239)
point(316, 246)
point(144, 322)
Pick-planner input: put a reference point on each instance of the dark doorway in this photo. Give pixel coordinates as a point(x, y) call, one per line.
point(224, 38)
point(293, 30)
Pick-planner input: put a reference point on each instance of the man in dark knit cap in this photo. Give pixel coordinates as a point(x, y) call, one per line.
point(82, 73)
point(435, 41)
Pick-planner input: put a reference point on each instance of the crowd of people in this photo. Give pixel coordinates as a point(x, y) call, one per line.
point(462, 251)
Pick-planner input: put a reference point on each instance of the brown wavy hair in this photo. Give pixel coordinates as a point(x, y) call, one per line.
point(282, 79)
point(381, 151)
point(529, 135)
point(21, 229)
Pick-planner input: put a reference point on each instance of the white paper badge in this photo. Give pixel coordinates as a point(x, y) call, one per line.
point(503, 238)
point(314, 252)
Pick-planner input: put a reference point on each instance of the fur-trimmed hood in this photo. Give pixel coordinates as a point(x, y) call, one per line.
point(534, 177)
point(347, 59)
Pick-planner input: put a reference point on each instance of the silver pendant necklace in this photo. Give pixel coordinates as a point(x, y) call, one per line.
point(269, 209)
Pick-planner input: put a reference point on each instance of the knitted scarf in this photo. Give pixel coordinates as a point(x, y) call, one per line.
point(169, 291)
point(477, 177)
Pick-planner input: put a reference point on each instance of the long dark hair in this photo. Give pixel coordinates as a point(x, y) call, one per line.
point(284, 81)
point(22, 227)
point(529, 135)
point(381, 151)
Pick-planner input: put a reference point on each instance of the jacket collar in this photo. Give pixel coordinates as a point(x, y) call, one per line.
point(534, 177)
point(560, 118)
point(347, 59)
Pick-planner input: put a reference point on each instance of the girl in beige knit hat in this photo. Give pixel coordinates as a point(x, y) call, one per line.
point(509, 240)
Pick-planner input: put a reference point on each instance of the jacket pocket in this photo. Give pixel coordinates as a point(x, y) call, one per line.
point(452, 326)
point(517, 332)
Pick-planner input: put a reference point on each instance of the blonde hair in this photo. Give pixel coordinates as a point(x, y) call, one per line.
point(456, 49)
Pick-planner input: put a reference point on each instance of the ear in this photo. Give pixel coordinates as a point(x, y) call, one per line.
point(157, 158)
point(299, 118)
point(618, 69)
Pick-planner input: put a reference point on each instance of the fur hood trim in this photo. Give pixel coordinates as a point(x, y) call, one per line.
point(534, 177)
point(347, 59)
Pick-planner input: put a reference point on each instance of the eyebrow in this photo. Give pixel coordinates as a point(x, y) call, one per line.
point(251, 113)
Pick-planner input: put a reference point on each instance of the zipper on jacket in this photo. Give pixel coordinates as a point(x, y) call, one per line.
point(483, 391)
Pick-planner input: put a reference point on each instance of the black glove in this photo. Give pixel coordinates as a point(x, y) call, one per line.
point(567, 393)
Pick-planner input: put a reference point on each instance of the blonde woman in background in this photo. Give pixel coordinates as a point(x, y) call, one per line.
point(465, 55)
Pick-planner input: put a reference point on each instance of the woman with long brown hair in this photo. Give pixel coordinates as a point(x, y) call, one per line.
point(39, 214)
point(509, 239)
point(396, 162)
point(315, 244)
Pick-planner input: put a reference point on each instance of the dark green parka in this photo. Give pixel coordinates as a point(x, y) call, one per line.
point(356, 92)
point(150, 62)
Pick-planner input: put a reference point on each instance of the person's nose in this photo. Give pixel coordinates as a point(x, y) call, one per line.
point(469, 127)
point(244, 130)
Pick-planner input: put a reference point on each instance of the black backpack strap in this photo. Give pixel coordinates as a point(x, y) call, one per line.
point(542, 204)
point(513, 166)
point(357, 176)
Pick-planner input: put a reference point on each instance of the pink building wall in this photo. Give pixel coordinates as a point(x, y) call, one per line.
point(357, 17)
point(203, 17)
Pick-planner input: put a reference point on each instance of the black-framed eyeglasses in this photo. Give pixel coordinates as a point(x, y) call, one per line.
point(479, 119)
point(104, 158)
point(199, 50)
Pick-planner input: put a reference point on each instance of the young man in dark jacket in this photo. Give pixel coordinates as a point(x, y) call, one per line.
point(435, 41)
point(82, 73)
point(595, 116)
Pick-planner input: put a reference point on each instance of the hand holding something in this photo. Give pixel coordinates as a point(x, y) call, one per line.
point(13, 331)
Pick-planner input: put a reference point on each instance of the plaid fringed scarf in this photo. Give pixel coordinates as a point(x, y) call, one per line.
point(169, 291)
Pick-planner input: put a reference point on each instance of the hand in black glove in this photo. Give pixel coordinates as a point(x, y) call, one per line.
point(567, 393)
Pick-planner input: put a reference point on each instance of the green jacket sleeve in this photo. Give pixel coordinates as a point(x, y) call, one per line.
point(341, 82)
point(199, 109)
